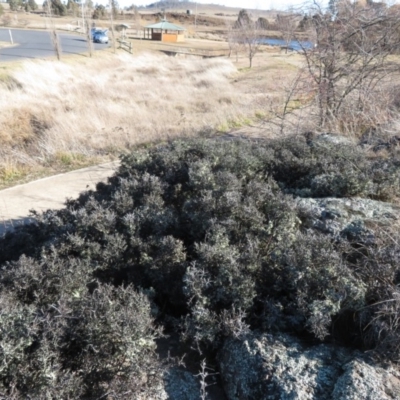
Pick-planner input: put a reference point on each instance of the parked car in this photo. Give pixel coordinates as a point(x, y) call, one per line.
point(93, 31)
point(100, 37)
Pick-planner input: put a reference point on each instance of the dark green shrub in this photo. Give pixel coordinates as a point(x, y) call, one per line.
point(311, 282)
point(109, 338)
point(378, 267)
point(209, 232)
point(62, 340)
point(323, 169)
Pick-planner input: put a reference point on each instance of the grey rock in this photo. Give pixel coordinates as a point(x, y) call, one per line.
point(264, 367)
point(363, 381)
point(332, 138)
point(379, 139)
point(181, 385)
point(356, 218)
point(267, 368)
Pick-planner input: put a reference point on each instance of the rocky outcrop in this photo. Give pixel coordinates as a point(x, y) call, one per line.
point(331, 138)
point(181, 385)
point(354, 217)
point(265, 367)
point(361, 380)
point(378, 140)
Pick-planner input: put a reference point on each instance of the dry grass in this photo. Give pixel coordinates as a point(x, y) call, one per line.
point(118, 102)
point(62, 115)
point(56, 116)
point(110, 104)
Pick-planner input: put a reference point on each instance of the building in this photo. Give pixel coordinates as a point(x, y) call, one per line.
point(164, 31)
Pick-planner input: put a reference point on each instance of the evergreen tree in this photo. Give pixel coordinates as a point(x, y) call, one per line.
point(114, 7)
point(73, 7)
point(14, 4)
point(99, 12)
point(332, 6)
point(31, 5)
point(58, 8)
point(243, 20)
point(262, 23)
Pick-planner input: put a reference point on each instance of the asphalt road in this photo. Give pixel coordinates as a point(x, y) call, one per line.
point(37, 44)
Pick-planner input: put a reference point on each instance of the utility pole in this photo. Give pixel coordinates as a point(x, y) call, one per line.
point(195, 21)
point(53, 32)
point(83, 17)
point(112, 23)
point(87, 29)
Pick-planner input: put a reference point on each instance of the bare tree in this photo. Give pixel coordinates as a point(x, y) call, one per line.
point(233, 40)
point(295, 97)
point(352, 54)
point(248, 33)
point(287, 25)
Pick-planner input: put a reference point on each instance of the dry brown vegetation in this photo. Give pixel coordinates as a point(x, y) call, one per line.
point(64, 115)
point(57, 116)
point(68, 112)
point(61, 115)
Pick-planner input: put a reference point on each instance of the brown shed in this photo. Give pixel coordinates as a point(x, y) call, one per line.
point(164, 31)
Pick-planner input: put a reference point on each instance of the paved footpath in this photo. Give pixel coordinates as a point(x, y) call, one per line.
point(48, 193)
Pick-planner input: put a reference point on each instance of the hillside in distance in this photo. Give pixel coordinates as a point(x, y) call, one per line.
point(203, 9)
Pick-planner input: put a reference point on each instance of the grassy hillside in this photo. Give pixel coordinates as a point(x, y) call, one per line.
point(58, 115)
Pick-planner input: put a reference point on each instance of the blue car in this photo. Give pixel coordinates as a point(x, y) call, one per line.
point(93, 31)
point(100, 37)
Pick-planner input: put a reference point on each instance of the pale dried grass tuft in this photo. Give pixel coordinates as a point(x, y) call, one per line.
point(115, 103)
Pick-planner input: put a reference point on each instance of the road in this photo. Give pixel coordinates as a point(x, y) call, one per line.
point(37, 44)
point(48, 193)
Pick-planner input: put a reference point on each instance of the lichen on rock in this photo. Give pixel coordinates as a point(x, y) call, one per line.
point(267, 367)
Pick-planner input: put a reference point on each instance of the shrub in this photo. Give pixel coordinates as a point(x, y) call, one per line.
point(66, 337)
point(6, 20)
point(203, 235)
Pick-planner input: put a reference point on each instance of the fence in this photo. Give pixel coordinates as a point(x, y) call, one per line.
point(125, 45)
point(195, 52)
point(176, 50)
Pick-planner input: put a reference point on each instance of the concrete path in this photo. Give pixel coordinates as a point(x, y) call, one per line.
point(48, 193)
